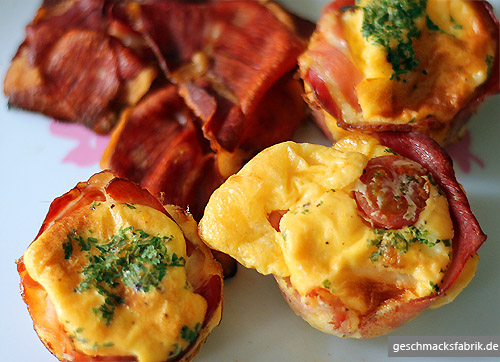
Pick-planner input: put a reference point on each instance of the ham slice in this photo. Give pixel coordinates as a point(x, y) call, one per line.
point(232, 60)
point(468, 236)
point(70, 68)
point(159, 145)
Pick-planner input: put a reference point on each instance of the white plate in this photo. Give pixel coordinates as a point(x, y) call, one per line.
point(41, 160)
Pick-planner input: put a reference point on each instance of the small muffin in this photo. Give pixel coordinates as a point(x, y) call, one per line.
point(380, 65)
point(115, 276)
point(361, 236)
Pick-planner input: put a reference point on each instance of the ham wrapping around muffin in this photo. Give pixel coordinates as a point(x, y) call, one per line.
point(115, 276)
point(379, 65)
point(361, 236)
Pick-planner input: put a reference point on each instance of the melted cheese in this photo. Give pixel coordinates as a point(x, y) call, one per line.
point(322, 241)
point(148, 325)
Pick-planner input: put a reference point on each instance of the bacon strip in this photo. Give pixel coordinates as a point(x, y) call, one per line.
point(84, 61)
point(468, 236)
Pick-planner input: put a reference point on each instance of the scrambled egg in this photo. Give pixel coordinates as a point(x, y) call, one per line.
point(152, 324)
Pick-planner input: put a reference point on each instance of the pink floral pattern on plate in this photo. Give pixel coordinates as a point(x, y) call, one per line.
point(462, 155)
point(89, 146)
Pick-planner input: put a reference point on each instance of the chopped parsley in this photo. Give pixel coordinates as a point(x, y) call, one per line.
point(489, 63)
point(76, 336)
point(430, 24)
point(389, 150)
point(327, 284)
point(392, 25)
point(97, 346)
point(404, 186)
point(132, 258)
point(67, 247)
point(188, 335)
point(455, 24)
point(85, 245)
point(431, 179)
point(434, 286)
point(434, 183)
point(94, 204)
point(401, 240)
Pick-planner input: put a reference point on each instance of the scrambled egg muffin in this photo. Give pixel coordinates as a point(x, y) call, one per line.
point(355, 234)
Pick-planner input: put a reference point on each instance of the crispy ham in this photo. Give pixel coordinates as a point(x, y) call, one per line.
point(233, 63)
point(71, 69)
point(159, 145)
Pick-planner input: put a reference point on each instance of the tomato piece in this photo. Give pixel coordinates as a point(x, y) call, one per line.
point(393, 194)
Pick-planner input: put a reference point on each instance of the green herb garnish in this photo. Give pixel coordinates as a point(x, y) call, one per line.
point(190, 334)
point(455, 24)
point(76, 336)
point(392, 25)
point(97, 346)
point(401, 240)
point(489, 63)
point(94, 204)
point(132, 258)
point(327, 284)
point(434, 286)
point(430, 24)
point(187, 334)
point(67, 247)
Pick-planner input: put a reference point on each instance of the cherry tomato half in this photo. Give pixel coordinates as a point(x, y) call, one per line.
point(393, 194)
